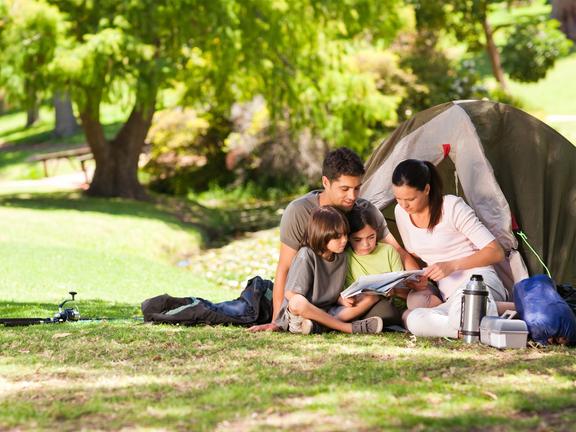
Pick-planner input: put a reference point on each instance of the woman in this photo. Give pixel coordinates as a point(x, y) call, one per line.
point(444, 232)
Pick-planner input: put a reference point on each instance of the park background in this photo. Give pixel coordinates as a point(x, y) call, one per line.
point(197, 121)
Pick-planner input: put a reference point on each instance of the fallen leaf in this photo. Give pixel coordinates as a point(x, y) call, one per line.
point(490, 395)
point(60, 335)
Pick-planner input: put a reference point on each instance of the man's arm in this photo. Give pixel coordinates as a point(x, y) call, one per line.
point(407, 260)
point(287, 254)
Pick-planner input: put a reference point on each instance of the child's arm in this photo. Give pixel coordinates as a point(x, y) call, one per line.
point(347, 302)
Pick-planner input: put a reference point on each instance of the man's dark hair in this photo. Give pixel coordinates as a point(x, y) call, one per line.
point(342, 161)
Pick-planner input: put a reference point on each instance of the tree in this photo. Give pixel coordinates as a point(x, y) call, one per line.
point(64, 120)
point(28, 41)
point(221, 50)
point(565, 12)
point(29, 36)
point(468, 21)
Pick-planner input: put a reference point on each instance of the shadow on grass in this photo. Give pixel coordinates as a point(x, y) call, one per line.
point(96, 309)
point(217, 226)
point(202, 378)
point(78, 202)
point(46, 140)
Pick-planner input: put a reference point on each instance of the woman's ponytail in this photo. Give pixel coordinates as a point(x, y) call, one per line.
point(435, 196)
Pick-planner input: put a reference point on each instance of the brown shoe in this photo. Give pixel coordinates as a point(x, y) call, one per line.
point(368, 325)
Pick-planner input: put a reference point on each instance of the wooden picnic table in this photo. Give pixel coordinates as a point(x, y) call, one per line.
point(80, 154)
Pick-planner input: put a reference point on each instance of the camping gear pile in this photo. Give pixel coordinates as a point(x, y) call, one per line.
point(254, 306)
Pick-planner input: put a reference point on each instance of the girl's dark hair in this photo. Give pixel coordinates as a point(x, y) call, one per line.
point(326, 223)
point(359, 217)
point(417, 174)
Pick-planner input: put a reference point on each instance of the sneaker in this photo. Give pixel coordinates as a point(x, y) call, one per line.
point(312, 327)
point(294, 322)
point(368, 325)
point(307, 326)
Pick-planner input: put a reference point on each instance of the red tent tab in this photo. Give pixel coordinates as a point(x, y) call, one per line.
point(446, 148)
point(515, 226)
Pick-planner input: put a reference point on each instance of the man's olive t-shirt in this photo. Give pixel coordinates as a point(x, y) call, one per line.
point(295, 218)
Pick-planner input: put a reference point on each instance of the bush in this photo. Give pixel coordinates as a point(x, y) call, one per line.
point(440, 79)
point(532, 49)
point(186, 151)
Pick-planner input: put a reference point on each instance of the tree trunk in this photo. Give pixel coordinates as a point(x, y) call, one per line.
point(565, 12)
point(116, 173)
point(494, 56)
point(32, 115)
point(32, 105)
point(65, 122)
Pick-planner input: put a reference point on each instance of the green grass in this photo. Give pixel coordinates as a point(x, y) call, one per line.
point(123, 375)
point(111, 250)
point(138, 377)
point(554, 95)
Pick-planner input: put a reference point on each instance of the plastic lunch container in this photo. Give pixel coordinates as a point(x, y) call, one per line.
point(503, 333)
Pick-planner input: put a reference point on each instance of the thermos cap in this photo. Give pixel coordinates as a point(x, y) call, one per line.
point(476, 277)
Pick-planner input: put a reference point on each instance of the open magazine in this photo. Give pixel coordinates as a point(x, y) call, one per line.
point(381, 283)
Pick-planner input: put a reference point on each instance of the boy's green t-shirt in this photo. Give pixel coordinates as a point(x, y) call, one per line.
point(383, 259)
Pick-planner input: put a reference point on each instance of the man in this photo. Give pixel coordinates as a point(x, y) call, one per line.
point(342, 173)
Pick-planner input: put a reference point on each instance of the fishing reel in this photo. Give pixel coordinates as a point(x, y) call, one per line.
point(68, 314)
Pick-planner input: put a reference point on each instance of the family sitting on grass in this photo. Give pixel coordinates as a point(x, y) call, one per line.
point(330, 237)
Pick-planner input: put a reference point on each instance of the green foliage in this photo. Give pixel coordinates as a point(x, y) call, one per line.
point(186, 151)
point(226, 51)
point(29, 36)
point(532, 48)
point(532, 45)
point(440, 79)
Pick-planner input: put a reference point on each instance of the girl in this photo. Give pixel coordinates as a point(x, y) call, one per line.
point(316, 278)
point(445, 233)
point(367, 256)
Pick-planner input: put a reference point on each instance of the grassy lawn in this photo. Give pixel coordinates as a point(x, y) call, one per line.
point(552, 99)
point(111, 250)
point(124, 375)
point(112, 376)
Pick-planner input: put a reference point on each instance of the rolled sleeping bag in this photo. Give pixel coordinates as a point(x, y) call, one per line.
point(546, 314)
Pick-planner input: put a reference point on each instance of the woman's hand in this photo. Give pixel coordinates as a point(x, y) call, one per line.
point(347, 302)
point(421, 283)
point(440, 270)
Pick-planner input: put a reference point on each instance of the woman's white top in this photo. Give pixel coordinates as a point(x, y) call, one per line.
point(458, 235)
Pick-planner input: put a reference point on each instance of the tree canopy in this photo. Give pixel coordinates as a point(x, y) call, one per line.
point(330, 68)
point(217, 52)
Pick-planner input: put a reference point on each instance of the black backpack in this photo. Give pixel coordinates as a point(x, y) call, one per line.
point(254, 306)
point(568, 293)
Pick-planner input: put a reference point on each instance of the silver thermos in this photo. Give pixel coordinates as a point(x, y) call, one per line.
point(474, 300)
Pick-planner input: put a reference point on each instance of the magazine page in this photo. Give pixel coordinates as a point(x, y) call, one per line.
point(381, 283)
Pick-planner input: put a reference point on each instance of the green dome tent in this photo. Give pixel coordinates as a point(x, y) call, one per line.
point(514, 170)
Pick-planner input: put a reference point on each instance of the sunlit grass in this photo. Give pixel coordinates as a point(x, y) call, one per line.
point(113, 250)
point(110, 376)
point(114, 375)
